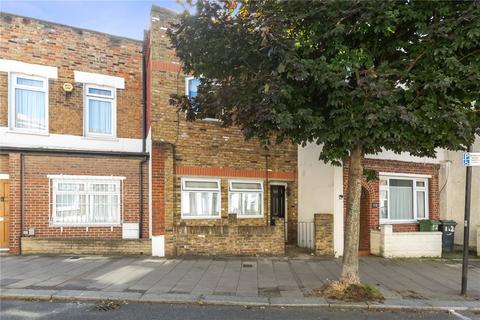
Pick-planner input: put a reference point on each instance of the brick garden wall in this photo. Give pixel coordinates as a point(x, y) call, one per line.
point(85, 246)
point(323, 234)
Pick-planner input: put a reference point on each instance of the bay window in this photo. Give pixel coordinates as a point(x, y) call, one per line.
point(246, 199)
point(403, 199)
point(100, 111)
point(86, 201)
point(200, 198)
point(28, 103)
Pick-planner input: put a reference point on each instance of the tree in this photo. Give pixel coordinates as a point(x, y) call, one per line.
point(354, 76)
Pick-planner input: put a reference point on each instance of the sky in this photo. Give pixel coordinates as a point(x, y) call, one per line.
point(127, 18)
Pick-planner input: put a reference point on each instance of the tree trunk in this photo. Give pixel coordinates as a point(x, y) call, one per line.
point(352, 224)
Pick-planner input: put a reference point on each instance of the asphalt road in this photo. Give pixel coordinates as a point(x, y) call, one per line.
point(13, 310)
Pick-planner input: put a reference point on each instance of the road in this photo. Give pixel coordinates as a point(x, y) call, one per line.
point(13, 310)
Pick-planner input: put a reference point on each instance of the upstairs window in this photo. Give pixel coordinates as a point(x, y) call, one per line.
point(28, 103)
point(403, 199)
point(200, 198)
point(246, 199)
point(191, 90)
point(100, 111)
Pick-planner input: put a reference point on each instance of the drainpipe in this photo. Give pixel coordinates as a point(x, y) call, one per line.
point(22, 207)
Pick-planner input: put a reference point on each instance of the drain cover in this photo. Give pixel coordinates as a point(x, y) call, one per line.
point(247, 265)
point(107, 306)
point(74, 258)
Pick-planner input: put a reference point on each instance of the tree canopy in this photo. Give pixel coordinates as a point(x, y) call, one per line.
point(399, 75)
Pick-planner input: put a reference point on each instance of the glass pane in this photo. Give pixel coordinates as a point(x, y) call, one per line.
point(30, 109)
point(70, 208)
point(200, 204)
point(193, 87)
point(420, 204)
point(70, 186)
point(99, 116)
point(103, 187)
point(100, 92)
point(251, 204)
point(246, 186)
point(235, 202)
point(401, 199)
point(201, 184)
point(103, 209)
point(421, 184)
point(384, 204)
point(30, 82)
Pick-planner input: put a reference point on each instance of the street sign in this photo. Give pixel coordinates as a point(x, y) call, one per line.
point(471, 159)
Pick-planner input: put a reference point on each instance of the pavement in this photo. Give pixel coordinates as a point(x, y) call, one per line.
point(407, 284)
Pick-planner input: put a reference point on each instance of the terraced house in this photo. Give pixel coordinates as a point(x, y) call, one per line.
point(80, 174)
point(212, 191)
point(73, 167)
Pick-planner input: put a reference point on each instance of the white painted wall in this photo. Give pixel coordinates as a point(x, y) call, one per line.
point(391, 244)
point(9, 138)
point(320, 186)
point(452, 195)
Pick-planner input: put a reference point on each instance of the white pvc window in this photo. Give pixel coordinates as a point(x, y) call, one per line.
point(86, 201)
point(100, 111)
point(191, 91)
point(403, 199)
point(245, 198)
point(28, 103)
point(200, 198)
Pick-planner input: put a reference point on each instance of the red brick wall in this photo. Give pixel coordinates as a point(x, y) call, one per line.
point(37, 193)
point(371, 194)
point(68, 48)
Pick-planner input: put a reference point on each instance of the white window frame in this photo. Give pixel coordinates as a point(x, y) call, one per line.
point(414, 178)
point(86, 180)
point(113, 99)
point(187, 92)
point(185, 189)
point(232, 190)
point(12, 85)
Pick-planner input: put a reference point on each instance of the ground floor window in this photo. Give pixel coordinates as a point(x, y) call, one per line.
point(403, 199)
point(200, 198)
point(86, 201)
point(245, 198)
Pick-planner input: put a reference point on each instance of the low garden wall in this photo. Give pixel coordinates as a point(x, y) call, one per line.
point(389, 244)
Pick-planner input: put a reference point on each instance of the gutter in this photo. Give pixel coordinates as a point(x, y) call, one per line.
point(75, 152)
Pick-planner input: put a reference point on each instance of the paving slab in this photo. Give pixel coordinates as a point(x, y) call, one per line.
point(26, 294)
point(95, 295)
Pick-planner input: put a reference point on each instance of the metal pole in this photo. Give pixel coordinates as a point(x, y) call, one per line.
point(466, 227)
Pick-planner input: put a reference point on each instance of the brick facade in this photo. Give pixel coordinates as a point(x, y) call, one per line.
point(203, 149)
point(323, 224)
point(370, 214)
point(71, 49)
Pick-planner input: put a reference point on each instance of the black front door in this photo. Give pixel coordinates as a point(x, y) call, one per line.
point(277, 201)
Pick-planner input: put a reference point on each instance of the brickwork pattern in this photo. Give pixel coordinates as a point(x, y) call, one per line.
point(85, 246)
point(68, 48)
point(323, 223)
point(37, 193)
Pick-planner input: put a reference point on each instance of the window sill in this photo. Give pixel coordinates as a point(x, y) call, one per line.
point(249, 217)
point(102, 138)
point(214, 120)
point(36, 133)
point(200, 218)
point(399, 222)
point(69, 225)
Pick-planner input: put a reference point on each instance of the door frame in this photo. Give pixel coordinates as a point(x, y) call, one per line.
point(4, 176)
point(285, 184)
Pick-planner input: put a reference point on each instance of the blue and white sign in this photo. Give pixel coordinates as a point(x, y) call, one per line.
point(471, 159)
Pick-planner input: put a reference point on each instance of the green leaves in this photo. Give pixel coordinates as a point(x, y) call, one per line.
point(399, 75)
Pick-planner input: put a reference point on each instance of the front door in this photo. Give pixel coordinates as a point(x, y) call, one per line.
point(4, 214)
point(277, 204)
